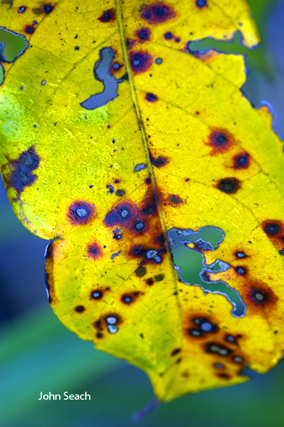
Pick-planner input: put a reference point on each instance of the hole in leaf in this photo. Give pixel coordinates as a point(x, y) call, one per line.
point(190, 263)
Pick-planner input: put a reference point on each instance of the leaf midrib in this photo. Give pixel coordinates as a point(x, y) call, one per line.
point(121, 29)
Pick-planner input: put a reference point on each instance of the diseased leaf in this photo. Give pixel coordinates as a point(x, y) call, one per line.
point(172, 150)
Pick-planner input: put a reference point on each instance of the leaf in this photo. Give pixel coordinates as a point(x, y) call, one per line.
point(121, 184)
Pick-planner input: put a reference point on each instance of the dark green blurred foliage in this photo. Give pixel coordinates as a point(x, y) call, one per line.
point(39, 354)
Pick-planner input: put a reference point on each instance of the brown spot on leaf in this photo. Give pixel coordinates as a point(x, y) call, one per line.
point(97, 294)
point(175, 351)
point(261, 295)
point(223, 375)
point(129, 298)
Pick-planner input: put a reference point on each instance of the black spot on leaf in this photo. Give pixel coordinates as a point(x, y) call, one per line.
point(80, 308)
point(107, 16)
point(143, 34)
point(29, 29)
point(48, 8)
point(201, 3)
point(229, 185)
point(150, 97)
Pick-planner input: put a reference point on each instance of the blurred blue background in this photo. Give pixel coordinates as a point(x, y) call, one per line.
point(39, 354)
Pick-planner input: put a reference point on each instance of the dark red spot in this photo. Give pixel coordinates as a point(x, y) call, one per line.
point(168, 35)
point(241, 161)
point(201, 3)
point(21, 175)
point(148, 181)
point(220, 142)
point(99, 335)
point(150, 282)
point(97, 294)
point(272, 227)
point(158, 162)
point(107, 15)
point(229, 185)
point(29, 29)
point(80, 308)
point(143, 34)
point(48, 8)
point(140, 61)
point(117, 181)
point(177, 39)
point(80, 213)
point(175, 351)
point(157, 12)
point(130, 43)
point(150, 97)
point(94, 251)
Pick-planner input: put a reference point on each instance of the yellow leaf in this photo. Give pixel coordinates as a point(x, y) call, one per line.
point(175, 151)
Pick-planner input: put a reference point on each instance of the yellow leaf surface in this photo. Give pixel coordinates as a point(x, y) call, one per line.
point(177, 151)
